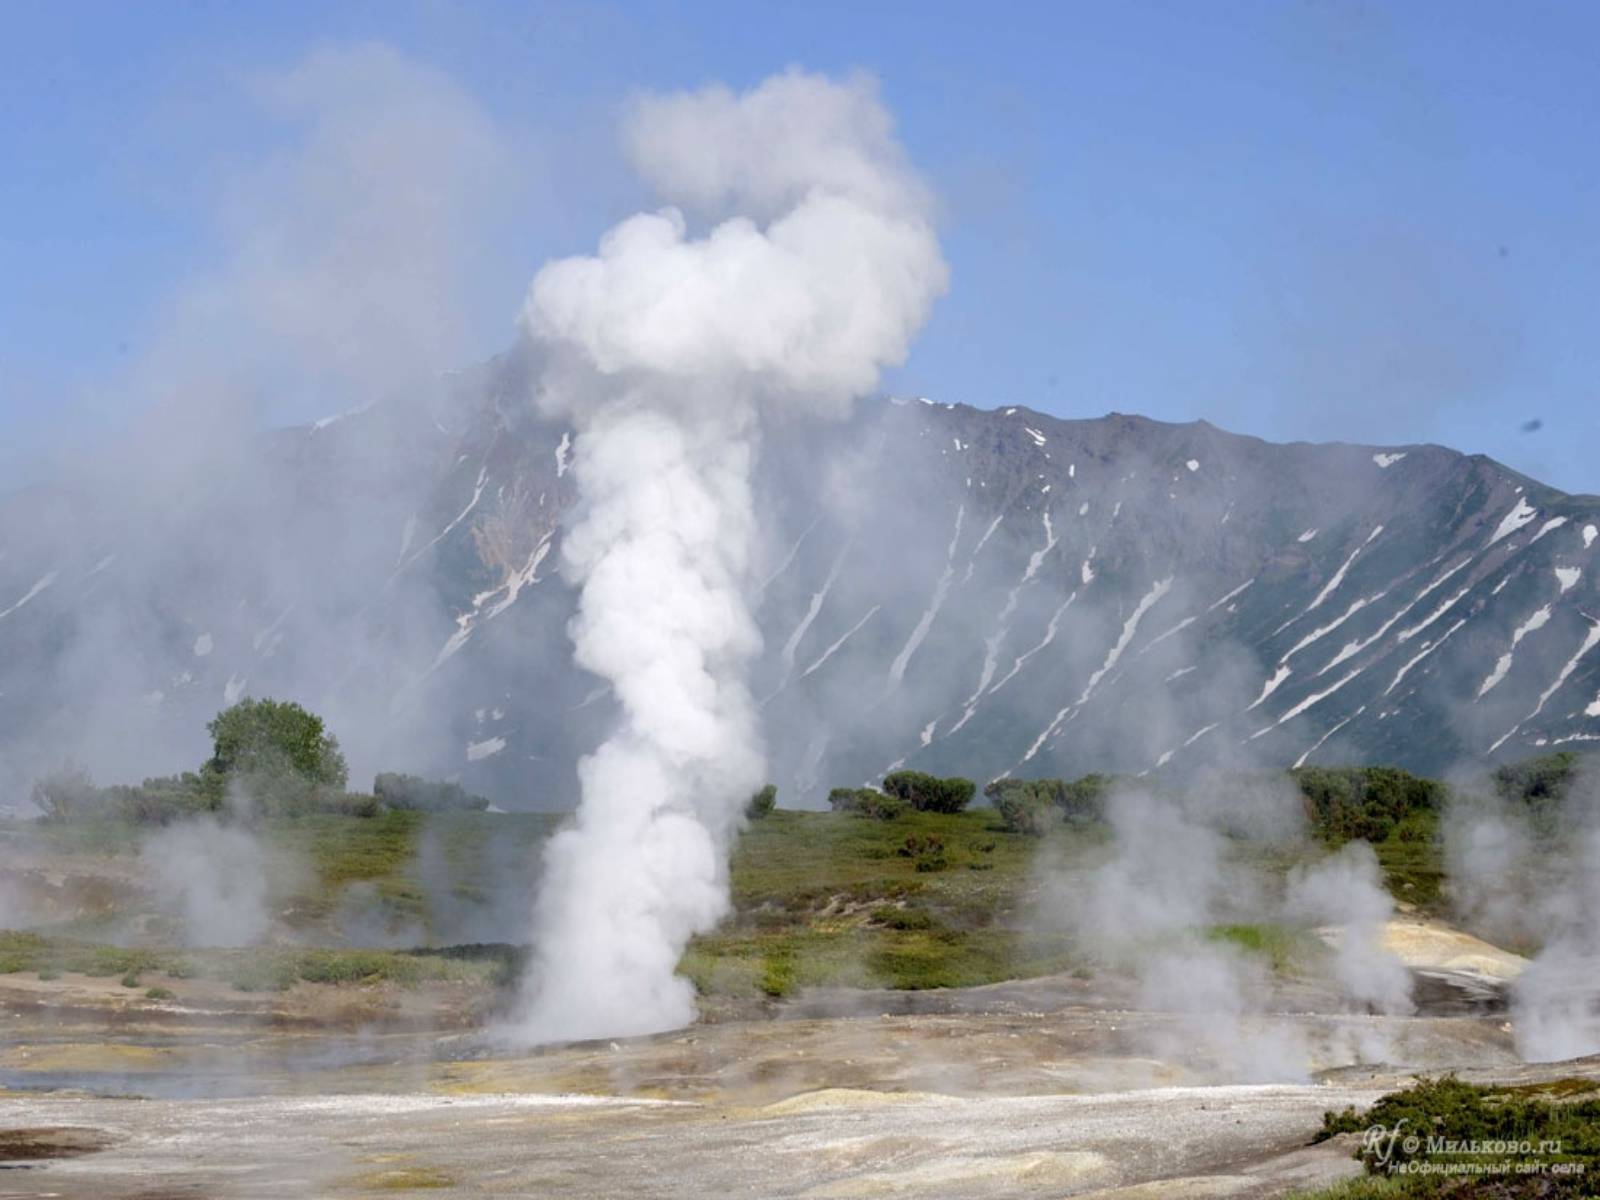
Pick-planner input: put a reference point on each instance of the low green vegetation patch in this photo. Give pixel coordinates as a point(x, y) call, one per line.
point(902, 886)
point(1446, 1138)
point(868, 954)
point(254, 970)
point(924, 900)
point(1282, 946)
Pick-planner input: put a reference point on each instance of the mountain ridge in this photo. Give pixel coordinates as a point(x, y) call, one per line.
point(968, 590)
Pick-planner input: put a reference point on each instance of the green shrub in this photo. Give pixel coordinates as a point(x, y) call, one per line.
point(131, 979)
point(67, 794)
point(929, 793)
point(1082, 801)
point(162, 800)
point(411, 793)
point(926, 852)
point(909, 918)
point(1541, 786)
point(866, 802)
point(1450, 1111)
point(1024, 805)
point(778, 973)
point(762, 803)
point(1345, 803)
point(263, 975)
point(158, 993)
point(1546, 778)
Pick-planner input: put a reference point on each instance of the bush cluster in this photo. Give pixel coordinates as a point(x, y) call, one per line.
point(276, 754)
point(1541, 785)
point(1564, 1111)
point(411, 793)
point(926, 852)
point(867, 802)
point(1034, 806)
point(1345, 803)
point(762, 803)
point(929, 793)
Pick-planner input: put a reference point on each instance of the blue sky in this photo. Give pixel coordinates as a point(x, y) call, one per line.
point(1320, 219)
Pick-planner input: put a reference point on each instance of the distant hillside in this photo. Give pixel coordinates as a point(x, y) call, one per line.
point(950, 588)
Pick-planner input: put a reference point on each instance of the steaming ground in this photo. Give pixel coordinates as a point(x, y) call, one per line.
point(1039, 1086)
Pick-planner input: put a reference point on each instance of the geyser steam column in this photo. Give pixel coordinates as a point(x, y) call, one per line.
point(817, 266)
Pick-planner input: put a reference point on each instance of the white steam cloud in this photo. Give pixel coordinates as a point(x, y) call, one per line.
point(819, 264)
point(1179, 869)
point(1532, 878)
point(212, 877)
point(1346, 890)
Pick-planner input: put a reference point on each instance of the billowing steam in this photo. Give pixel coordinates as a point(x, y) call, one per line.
point(212, 877)
point(1179, 869)
point(665, 349)
point(1531, 877)
point(1346, 890)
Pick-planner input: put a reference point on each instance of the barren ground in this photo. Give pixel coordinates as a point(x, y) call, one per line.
point(1045, 1087)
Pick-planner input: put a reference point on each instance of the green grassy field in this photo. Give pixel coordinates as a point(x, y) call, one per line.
point(258, 969)
point(924, 900)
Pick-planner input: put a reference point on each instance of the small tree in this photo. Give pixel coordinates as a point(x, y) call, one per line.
point(66, 794)
point(762, 803)
point(280, 751)
point(1024, 806)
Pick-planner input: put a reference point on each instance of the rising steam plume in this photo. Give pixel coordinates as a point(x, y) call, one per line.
point(796, 259)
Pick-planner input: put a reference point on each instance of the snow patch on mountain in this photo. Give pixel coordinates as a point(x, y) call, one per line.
point(1338, 576)
point(1049, 636)
point(1590, 640)
point(1539, 619)
point(897, 669)
point(1312, 701)
point(1317, 635)
point(38, 587)
point(1318, 744)
point(1130, 627)
point(792, 645)
point(1551, 524)
point(1521, 513)
point(845, 637)
point(1271, 685)
point(488, 748)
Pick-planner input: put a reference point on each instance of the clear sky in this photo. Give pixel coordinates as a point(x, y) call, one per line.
point(1322, 219)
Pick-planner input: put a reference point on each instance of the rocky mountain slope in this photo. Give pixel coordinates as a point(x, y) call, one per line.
point(946, 587)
